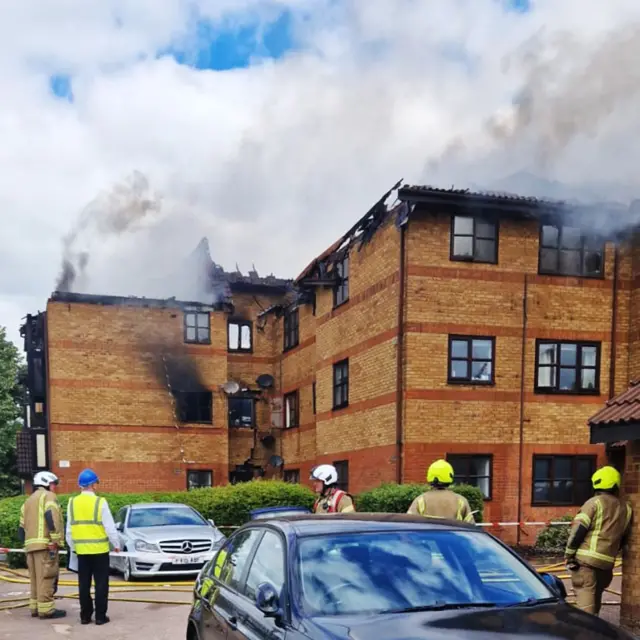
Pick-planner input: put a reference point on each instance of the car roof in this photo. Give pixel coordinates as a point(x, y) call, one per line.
point(311, 525)
point(159, 505)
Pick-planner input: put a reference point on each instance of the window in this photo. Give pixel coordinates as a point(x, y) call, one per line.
point(474, 239)
point(341, 292)
point(194, 406)
point(562, 480)
point(475, 470)
point(341, 384)
point(568, 251)
point(567, 367)
point(342, 467)
point(291, 329)
point(267, 565)
point(241, 412)
point(292, 476)
point(199, 479)
point(313, 397)
point(471, 359)
point(238, 548)
point(239, 336)
point(121, 517)
point(291, 413)
point(197, 328)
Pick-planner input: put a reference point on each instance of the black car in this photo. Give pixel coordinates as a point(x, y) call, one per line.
point(378, 576)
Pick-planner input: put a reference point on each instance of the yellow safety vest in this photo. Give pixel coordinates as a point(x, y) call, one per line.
point(88, 533)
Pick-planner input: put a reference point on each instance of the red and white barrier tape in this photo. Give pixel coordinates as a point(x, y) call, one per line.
point(523, 524)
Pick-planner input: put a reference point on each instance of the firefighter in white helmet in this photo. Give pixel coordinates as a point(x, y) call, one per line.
point(42, 533)
point(330, 498)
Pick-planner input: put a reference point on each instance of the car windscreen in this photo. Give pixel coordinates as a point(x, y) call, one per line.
point(164, 517)
point(408, 570)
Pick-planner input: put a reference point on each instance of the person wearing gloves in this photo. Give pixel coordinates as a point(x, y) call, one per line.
point(41, 531)
point(90, 529)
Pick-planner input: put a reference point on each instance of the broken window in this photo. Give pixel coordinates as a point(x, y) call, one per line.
point(199, 479)
point(292, 476)
point(474, 239)
point(239, 335)
point(194, 406)
point(341, 384)
point(567, 367)
point(568, 251)
point(291, 410)
point(241, 412)
point(197, 327)
point(471, 359)
point(341, 292)
point(291, 329)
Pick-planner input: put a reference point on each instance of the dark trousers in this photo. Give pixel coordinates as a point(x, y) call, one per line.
point(96, 567)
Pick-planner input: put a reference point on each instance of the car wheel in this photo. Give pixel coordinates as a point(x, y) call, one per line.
point(126, 573)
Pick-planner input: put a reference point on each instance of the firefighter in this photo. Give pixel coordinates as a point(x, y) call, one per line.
point(41, 531)
point(440, 501)
point(598, 533)
point(330, 498)
point(90, 529)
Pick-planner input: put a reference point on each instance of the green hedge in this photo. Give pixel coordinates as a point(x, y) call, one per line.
point(554, 539)
point(226, 505)
point(397, 498)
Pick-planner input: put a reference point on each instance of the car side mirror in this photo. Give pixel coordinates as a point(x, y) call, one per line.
point(555, 584)
point(120, 527)
point(212, 523)
point(268, 601)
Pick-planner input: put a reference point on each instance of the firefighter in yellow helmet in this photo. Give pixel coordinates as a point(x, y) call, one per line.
point(440, 501)
point(598, 533)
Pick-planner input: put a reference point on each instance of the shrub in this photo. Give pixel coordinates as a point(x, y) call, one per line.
point(226, 505)
point(554, 539)
point(397, 498)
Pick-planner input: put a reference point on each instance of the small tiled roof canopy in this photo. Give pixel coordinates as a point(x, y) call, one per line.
point(619, 419)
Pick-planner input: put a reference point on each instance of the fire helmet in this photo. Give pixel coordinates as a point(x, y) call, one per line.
point(440, 472)
point(325, 473)
point(605, 479)
point(45, 479)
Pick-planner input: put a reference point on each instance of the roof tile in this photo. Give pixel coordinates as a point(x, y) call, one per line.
point(621, 409)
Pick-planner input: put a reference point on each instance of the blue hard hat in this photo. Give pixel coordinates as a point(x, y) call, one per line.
point(87, 478)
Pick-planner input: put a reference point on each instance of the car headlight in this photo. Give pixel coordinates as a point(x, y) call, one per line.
point(147, 547)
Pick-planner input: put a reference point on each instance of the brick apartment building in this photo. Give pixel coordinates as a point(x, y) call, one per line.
point(475, 327)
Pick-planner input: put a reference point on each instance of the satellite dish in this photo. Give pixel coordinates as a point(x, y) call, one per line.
point(231, 387)
point(276, 461)
point(265, 381)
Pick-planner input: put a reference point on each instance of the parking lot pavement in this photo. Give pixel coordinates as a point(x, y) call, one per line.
point(160, 621)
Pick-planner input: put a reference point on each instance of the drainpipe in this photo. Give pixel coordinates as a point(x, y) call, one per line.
point(523, 354)
point(614, 321)
point(400, 356)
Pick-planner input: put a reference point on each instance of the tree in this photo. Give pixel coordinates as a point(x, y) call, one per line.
point(10, 411)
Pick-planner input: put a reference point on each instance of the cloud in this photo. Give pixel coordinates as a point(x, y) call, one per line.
point(274, 157)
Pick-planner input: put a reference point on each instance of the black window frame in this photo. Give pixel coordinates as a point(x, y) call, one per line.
point(578, 499)
point(196, 326)
point(589, 243)
point(465, 477)
point(579, 344)
point(291, 329)
point(199, 471)
point(470, 360)
point(180, 407)
point(341, 290)
point(342, 365)
point(342, 467)
point(240, 324)
point(296, 414)
point(241, 398)
point(474, 238)
point(288, 473)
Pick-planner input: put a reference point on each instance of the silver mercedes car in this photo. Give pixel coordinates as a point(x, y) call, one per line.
point(164, 539)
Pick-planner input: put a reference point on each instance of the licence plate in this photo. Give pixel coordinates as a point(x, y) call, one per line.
point(187, 560)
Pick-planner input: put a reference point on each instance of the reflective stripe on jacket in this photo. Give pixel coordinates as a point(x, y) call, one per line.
point(606, 519)
point(337, 501)
point(442, 503)
point(85, 517)
point(33, 519)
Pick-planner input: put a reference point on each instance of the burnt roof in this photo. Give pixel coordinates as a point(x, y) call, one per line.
point(130, 301)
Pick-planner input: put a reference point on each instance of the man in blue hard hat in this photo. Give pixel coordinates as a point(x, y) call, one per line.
point(90, 529)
